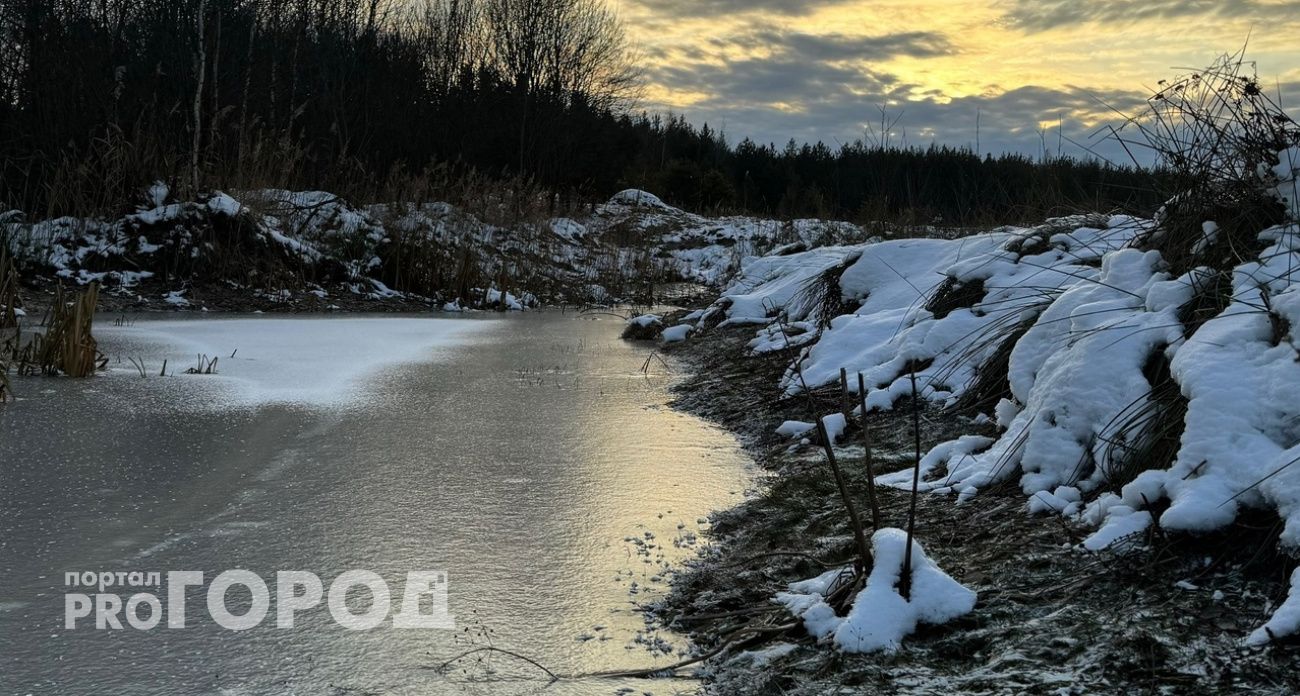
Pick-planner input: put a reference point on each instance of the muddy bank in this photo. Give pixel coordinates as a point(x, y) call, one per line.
point(1168, 616)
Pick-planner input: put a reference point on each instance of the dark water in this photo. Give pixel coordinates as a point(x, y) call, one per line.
point(518, 458)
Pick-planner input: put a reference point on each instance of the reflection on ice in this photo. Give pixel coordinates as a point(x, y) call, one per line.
point(530, 458)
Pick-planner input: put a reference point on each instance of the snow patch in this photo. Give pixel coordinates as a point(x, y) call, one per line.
point(881, 617)
point(676, 334)
point(1285, 621)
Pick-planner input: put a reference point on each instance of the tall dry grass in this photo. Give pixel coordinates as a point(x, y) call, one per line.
point(68, 346)
point(9, 328)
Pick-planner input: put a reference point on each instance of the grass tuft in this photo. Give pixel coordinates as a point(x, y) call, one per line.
point(1147, 434)
point(9, 328)
point(821, 298)
point(67, 347)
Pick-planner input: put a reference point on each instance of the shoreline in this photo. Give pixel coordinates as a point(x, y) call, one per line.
point(1050, 617)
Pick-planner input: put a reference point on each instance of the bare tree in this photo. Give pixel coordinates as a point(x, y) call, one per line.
point(200, 72)
point(452, 36)
point(564, 47)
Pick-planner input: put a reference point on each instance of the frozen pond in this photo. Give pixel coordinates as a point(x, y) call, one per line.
point(518, 455)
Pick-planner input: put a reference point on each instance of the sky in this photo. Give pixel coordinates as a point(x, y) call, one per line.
point(1019, 75)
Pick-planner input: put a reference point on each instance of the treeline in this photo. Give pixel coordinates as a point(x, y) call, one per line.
point(867, 182)
point(335, 94)
point(377, 98)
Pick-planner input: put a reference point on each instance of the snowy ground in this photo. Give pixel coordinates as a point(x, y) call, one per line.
point(1084, 312)
point(1167, 615)
point(274, 249)
point(1130, 383)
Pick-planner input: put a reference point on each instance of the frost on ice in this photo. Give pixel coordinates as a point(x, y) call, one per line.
point(309, 362)
point(881, 617)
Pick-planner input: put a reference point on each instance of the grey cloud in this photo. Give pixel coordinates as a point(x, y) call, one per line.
point(717, 8)
point(783, 78)
point(919, 44)
point(823, 88)
point(835, 104)
point(800, 68)
point(1037, 15)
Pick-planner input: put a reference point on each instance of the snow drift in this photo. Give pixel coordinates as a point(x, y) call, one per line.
point(1060, 334)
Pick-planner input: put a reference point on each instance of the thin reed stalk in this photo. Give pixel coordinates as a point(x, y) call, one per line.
point(864, 559)
point(905, 582)
point(867, 459)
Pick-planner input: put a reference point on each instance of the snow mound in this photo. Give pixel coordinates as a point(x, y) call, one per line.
point(881, 617)
point(676, 334)
point(639, 198)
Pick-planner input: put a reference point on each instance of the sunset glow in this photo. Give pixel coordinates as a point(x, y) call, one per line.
point(778, 69)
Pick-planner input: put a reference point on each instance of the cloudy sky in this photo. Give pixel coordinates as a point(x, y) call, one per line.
point(822, 70)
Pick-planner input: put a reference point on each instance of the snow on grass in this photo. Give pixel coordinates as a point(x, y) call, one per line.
point(769, 283)
point(1075, 383)
point(312, 362)
point(793, 428)
point(759, 659)
point(1242, 415)
point(892, 328)
point(176, 298)
point(635, 236)
point(1078, 313)
point(881, 617)
point(676, 334)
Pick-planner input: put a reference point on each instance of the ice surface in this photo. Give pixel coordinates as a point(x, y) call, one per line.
point(312, 362)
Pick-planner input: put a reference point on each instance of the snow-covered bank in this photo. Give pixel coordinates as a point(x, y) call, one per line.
point(313, 248)
point(1082, 342)
point(317, 362)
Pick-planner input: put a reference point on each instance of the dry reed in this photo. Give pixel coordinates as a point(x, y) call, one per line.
point(67, 347)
